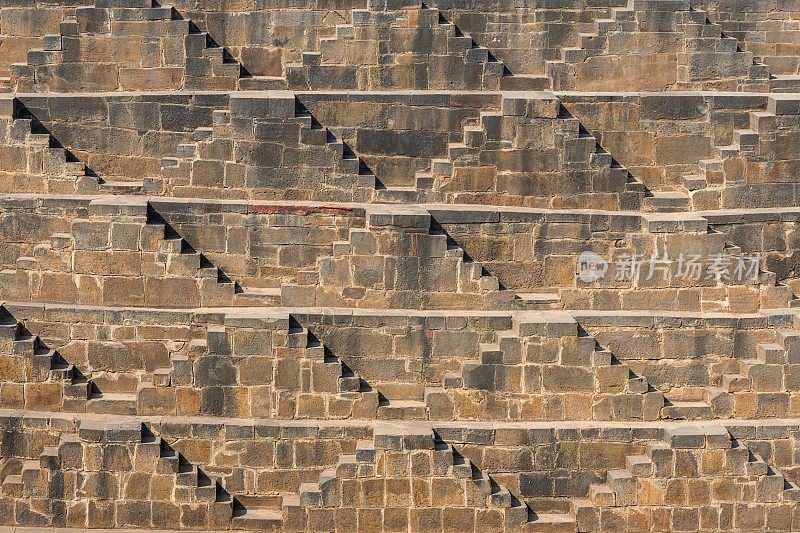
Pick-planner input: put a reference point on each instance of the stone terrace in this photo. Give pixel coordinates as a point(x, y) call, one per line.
point(392, 265)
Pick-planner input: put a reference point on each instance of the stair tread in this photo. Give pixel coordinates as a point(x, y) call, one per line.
point(261, 291)
point(555, 518)
point(688, 403)
point(669, 194)
point(272, 514)
point(540, 296)
point(405, 403)
point(115, 396)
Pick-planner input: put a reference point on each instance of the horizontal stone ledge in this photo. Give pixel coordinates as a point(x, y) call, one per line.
point(609, 96)
point(679, 320)
point(240, 315)
point(755, 215)
point(26, 529)
point(474, 431)
point(279, 93)
point(405, 95)
point(444, 213)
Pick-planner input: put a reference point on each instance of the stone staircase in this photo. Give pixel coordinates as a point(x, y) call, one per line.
point(589, 44)
point(328, 387)
point(39, 485)
point(55, 377)
point(645, 480)
point(759, 374)
point(185, 173)
point(464, 480)
point(160, 249)
point(215, 145)
point(206, 66)
point(760, 378)
point(61, 171)
point(390, 233)
point(676, 257)
point(181, 260)
point(701, 39)
point(729, 167)
point(657, 236)
point(333, 63)
point(490, 133)
point(616, 392)
point(46, 158)
point(704, 44)
point(44, 366)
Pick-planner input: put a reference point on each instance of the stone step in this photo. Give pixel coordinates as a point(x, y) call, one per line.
point(397, 195)
point(257, 519)
point(491, 354)
point(784, 83)
point(365, 452)
point(403, 410)
point(573, 54)
point(537, 300)
point(12, 485)
point(771, 353)
point(62, 372)
point(694, 182)
point(524, 82)
point(259, 296)
point(550, 523)
point(172, 245)
point(10, 329)
point(655, 448)
point(262, 83)
point(666, 202)
point(111, 403)
point(745, 138)
point(310, 495)
point(601, 495)
point(688, 410)
point(452, 380)
point(639, 465)
point(735, 382)
point(756, 466)
point(122, 187)
point(500, 498)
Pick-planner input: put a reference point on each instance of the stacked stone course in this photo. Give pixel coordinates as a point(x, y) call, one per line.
point(363, 265)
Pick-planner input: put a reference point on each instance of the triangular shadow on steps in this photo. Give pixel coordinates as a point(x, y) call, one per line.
point(38, 128)
point(294, 325)
point(154, 217)
point(437, 229)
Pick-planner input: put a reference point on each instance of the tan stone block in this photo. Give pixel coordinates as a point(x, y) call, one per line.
point(187, 401)
point(425, 519)
point(420, 492)
point(396, 519)
point(369, 519)
point(43, 396)
point(310, 406)
point(57, 287)
point(373, 492)
point(398, 492)
point(12, 395)
point(172, 292)
point(116, 263)
point(489, 520)
point(123, 291)
point(447, 492)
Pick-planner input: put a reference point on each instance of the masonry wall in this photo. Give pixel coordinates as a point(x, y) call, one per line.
point(389, 265)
